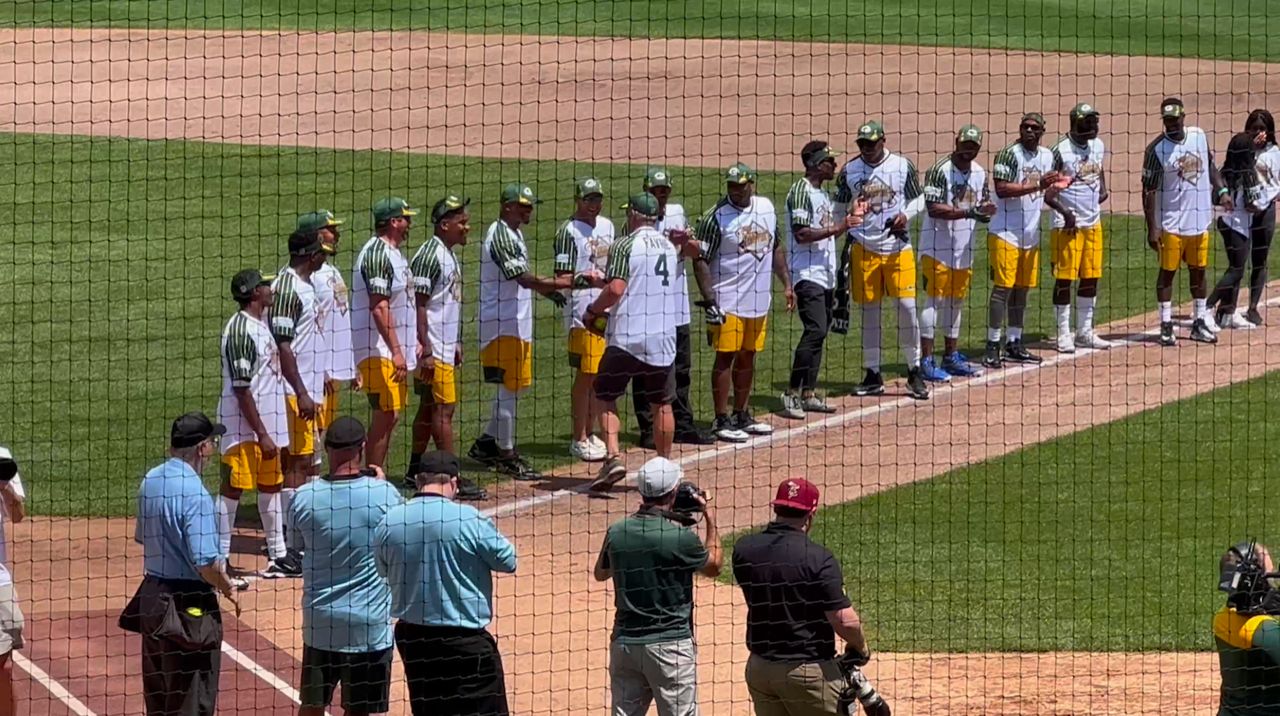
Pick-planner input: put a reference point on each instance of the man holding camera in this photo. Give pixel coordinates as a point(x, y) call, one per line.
point(12, 508)
point(1247, 633)
point(795, 606)
point(652, 556)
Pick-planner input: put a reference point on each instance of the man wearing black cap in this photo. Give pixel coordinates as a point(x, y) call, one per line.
point(346, 606)
point(439, 557)
point(176, 608)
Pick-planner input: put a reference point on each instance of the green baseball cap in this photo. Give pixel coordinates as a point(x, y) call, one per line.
point(644, 204)
point(823, 155)
point(871, 130)
point(1172, 109)
point(657, 176)
point(587, 186)
point(1039, 118)
point(519, 194)
point(448, 205)
point(970, 133)
point(1084, 109)
point(244, 283)
point(392, 208)
point(739, 174)
point(316, 220)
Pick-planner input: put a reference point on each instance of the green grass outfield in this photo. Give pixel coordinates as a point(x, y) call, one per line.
point(1213, 29)
point(118, 254)
point(1105, 540)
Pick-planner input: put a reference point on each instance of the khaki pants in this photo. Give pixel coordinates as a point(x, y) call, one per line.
point(789, 688)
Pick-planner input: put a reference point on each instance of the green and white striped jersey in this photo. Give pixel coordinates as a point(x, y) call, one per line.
point(436, 275)
point(293, 319)
point(250, 359)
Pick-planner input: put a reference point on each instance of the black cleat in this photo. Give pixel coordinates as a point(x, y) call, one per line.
point(991, 358)
point(1253, 316)
point(915, 384)
point(1200, 332)
point(485, 451)
point(1015, 352)
point(872, 384)
point(468, 490)
point(1167, 338)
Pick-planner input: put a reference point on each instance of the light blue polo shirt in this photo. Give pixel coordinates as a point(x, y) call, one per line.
point(176, 525)
point(346, 605)
point(439, 557)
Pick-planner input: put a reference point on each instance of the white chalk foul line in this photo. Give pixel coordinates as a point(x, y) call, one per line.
point(263, 673)
point(75, 705)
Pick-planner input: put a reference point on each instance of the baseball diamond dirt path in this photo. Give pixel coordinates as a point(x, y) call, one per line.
point(682, 102)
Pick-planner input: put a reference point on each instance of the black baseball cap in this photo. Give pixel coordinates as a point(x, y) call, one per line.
point(244, 282)
point(304, 243)
point(193, 428)
point(439, 462)
point(8, 468)
point(345, 432)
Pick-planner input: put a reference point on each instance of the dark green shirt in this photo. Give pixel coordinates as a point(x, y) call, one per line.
point(1249, 657)
point(653, 560)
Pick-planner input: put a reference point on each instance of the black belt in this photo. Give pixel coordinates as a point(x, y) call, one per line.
point(188, 586)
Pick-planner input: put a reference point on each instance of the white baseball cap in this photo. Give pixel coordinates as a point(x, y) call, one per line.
point(658, 476)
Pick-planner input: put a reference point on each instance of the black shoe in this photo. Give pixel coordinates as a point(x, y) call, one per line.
point(915, 384)
point(1253, 316)
point(1015, 352)
point(469, 490)
point(611, 473)
point(1200, 332)
point(485, 451)
point(747, 423)
point(991, 358)
point(288, 566)
point(646, 441)
point(726, 429)
point(872, 384)
point(694, 436)
point(517, 468)
point(1167, 338)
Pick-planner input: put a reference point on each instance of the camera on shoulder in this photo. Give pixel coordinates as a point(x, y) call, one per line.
point(686, 502)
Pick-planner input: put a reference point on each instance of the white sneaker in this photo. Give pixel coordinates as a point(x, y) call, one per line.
point(1209, 323)
point(585, 451)
point(1090, 339)
point(791, 406)
point(598, 444)
point(1066, 344)
point(1239, 322)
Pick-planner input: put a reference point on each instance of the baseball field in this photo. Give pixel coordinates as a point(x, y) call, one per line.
point(1018, 544)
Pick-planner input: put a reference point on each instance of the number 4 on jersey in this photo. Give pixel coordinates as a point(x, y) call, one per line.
point(660, 269)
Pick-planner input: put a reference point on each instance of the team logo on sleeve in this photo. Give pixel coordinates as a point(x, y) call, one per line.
point(754, 239)
point(1189, 168)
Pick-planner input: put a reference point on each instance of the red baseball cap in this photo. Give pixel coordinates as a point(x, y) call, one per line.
point(798, 494)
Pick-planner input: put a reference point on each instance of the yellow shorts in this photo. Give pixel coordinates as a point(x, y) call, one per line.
point(1011, 266)
point(384, 391)
point(245, 468)
point(1077, 253)
point(585, 350)
point(941, 281)
point(1175, 249)
point(876, 276)
point(329, 408)
point(738, 334)
point(442, 386)
point(302, 432)
point(509, 361)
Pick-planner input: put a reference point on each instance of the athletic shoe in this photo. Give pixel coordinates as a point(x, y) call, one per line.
point(1090, 339)
point(815, 404)
point(958, 365)
point(931, 372)
point(1167, 338)
point(611, 473)
point(585, 451)
point(915, 384)
point(872, 384)
point(1015, 352)
point(1210, 324)
point(517, 468)
point(694, 436)
point(791, 407)
point(991, 358)
point(239, 584)
point(1201, 333)
point(1254, 316)
point(725, 429)
point(485, 451)
point(1238, 322)
point(469, 490)
point(744, 421)
point(283, 567)
point(1066, 343)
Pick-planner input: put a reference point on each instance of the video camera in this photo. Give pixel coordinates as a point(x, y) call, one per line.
point(858, 690)
point(686, 507)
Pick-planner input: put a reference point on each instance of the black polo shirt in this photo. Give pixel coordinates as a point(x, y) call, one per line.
point(789, 583)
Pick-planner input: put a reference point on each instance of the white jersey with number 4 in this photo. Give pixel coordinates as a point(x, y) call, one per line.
point(1178, 172)
point(738, 244)
point(382, 270)
point(643, 321)
point(673, 218)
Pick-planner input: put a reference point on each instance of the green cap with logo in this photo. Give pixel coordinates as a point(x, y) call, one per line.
point(245, 281)
point(739, 174)
point(1172, 108)
point(586, 187)
point(644, 204)
point(871, 131)
point(316, 220)
point(392, 208)
point(1084, 109)
point(519, 194)
point(448, 205)
point(657, 176)
point(970, 133)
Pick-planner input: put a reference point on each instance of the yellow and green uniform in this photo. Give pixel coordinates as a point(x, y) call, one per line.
point(1249, 659)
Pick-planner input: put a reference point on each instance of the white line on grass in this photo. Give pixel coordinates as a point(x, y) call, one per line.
point(263, 673)
point(76, 706)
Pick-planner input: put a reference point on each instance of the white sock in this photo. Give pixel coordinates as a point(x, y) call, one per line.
point(272, 524)
point(952, 309)
point(929, 317)
point(286, 501)
point(909, 331)
point(1062, 316)
point(226, 508)
point(1015, 333)
point(871, 336)
point(1166, 311)
point(504, 418)
point(1198, 307)
point(1084, 311)
point(993, 334)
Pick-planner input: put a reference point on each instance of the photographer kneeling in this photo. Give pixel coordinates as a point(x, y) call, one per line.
point(652, 556)
point(1247, 633)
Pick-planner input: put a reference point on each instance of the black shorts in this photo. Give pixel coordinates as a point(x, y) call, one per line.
point(618, 368)
point(365, 677)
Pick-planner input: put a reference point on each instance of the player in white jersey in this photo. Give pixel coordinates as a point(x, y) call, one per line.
point(1022, 171)
point(1180, 185)
point(384, 322)
point(582, 244)
point(1075, 241)
point(437, 281)
point(507, 283)
point(957, 197)
point(1240, 176)
point(673, 223)
point(635, 312)
point(253, 409)
point(334, 318)
point(811, 228)
point(877, 261)
point(737, 246)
